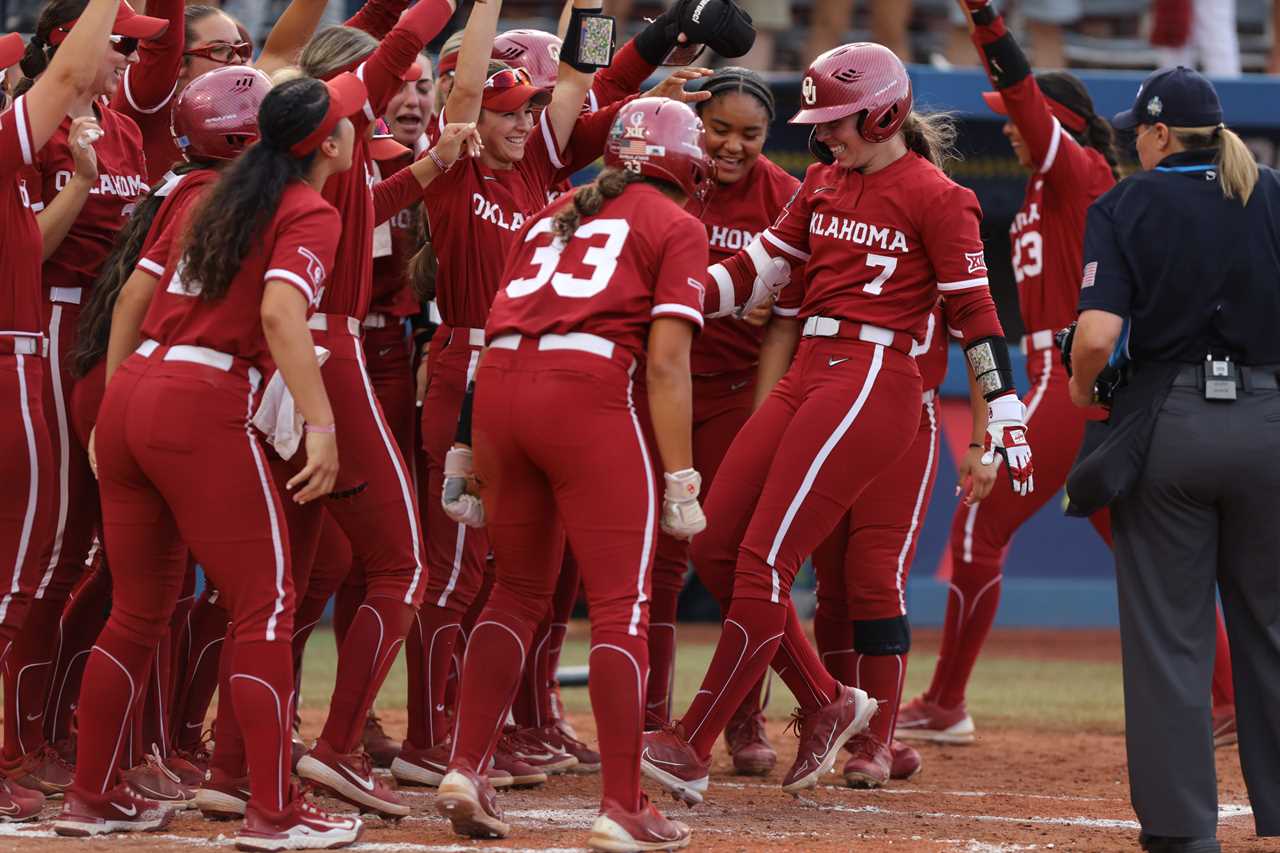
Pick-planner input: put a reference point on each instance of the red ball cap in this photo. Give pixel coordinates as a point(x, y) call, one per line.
point(11, 49)
point(216, 116)
point(663, 139)
point(128, 24)
point(855, 78)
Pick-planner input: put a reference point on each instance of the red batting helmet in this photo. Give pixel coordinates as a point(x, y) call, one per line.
point(663, 139)
point(534, 51)
point(216, 116)
point(857, 78)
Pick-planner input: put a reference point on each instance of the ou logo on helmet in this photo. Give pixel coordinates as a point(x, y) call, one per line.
point(809, 91)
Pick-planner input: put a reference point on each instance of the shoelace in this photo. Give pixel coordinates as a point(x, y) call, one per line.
point(796, 724)
point(153, 758)
point(45, 754)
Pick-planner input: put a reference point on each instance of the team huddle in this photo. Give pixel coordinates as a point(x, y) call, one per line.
point(332, 323)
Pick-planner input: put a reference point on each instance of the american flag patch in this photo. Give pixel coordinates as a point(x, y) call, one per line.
point(1090, 273)
point(640, 148)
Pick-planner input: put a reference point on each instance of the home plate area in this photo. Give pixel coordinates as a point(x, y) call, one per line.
point(1014, 790)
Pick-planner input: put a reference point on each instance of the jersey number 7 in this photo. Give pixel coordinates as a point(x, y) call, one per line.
point(602, 260)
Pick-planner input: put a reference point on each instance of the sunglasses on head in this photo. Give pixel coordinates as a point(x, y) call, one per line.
point(123, 45)
point(509, 78)
point(223, 52)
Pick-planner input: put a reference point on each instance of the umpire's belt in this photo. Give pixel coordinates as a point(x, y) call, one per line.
point(1260, 377)
point(830, 327)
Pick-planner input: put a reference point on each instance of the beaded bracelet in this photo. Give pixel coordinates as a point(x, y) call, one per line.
point(440, 164)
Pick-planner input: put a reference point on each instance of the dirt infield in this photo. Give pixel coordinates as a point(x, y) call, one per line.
point(1022, 786)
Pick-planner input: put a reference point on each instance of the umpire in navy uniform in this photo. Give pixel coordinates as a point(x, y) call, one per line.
point(1182, 279)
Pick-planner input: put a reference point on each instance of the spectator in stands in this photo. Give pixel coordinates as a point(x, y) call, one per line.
point(770, 17)
point(1199, 33)
point(1046, 21)
point(832, 19)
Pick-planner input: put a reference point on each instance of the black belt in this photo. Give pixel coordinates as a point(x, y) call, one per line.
point(1259, 377)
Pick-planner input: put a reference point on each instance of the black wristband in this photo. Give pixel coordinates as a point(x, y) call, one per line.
point(986, 16)
point(659, 36)
point(992, 370)
point(1006, 62)
point(463, 435)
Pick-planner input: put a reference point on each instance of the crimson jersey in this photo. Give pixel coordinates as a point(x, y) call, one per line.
point(734, 216)
point(392, 293)
point(121, 183)
point(296, 247)
point(931, 351)
point(350, 287)
point(640, 257)
point(20, 295)
point(182, 192)
point(1048, 232)
point(878, 249)
point(475, 212)
point(147, 89)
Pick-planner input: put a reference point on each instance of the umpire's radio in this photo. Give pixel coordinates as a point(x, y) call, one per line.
point(1219, 378)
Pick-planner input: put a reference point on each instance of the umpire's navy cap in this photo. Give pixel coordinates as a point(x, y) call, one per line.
point(1178, 97)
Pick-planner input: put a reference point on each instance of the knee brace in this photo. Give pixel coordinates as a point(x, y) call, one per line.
point(882, 636)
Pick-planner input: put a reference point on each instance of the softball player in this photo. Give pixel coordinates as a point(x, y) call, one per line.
point(378, 510)
point(749, 193)
point(1071, 153)
point(83, 186)
point(214, 120)
point(850, 404)
point(225, 308)
point(474, 212)
point(592, 278)
point(27, 508)
point(860, 624)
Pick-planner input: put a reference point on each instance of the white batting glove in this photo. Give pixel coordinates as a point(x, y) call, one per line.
point(1007, 440)
point(458, 502)
point(765, 286)
point(682, 516)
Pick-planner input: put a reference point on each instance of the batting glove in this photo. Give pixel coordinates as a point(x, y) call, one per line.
point(682, 516)
point(459, 504)
point(1007, 437)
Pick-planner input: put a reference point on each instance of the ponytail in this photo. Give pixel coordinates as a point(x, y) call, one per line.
point(1099, 136)
point(1237, 168)
point(234, 213)
point(95, 321)
point(39, 53)
point(932, 136)
point(588, 200)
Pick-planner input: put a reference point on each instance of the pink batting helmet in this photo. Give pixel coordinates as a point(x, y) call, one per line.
point(663, 139)
point(534, 51)
point(857, 78)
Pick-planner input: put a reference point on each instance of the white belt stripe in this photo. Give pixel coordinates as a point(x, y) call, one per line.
point(646, 551)
point(462, 528)
point(277, 545)
point(402, 476)
point(33, 488)
point(915, 512)
point(812, 474)
point(64, 449)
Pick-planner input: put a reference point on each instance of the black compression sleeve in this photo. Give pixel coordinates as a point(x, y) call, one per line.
point(463, 435)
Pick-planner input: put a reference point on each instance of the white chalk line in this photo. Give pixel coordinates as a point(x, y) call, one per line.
point(923, 792)
point(1224, 812)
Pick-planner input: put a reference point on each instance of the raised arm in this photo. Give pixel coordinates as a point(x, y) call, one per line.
point(70, 74)
point(571, 90)
point(290, 35)
point(1010, 73)
point(473, 62)
point(383, 72)
point(148, 85)
point(377, 17)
